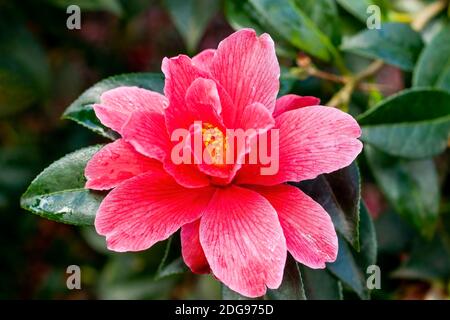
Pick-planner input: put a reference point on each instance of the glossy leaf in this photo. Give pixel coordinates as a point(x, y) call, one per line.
point(433, 67)
point(319, 284)
point(292, 286)
point(413, 124)
point(411, 186)
point(395, 43)
point(191, 18)
point(240, 14)
point(58, 192)
point(82, 112)
point(358, 8)
point(324, 14)
point(339, 195)
point(350, 266)
point(287, 21)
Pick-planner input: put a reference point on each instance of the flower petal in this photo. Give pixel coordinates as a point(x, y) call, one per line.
point(256, 116)
point(312, 140)
point(203, 60)
point(186, 175)
point(309, 231)
point(117, 104)
point(191, 248)
point(147, 209)
point(115, 163)
point(180, 72)
point(147, 132)
point(247, 68)
point(292, 101)
point(202, 103)
point(243, 241)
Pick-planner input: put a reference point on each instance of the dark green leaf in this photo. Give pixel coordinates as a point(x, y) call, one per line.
point(320, 284)
point(24, 71)
point(82, 112)
point(395, 43)
point(433, 67)
point(339, 194)
point(368, 251)
point(358, 8)
point(411, 186)
point(292, 286)
point(350, 266)
point(191, 18)
point(413, 124)
point(112, 6)
point(58, 192)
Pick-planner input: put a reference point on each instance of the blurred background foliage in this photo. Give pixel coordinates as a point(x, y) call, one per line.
point(396, 81)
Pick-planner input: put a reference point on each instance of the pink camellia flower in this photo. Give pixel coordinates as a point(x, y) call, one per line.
point(235, 222)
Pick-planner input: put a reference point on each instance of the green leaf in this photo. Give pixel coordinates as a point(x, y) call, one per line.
point(112, 6)
point(350, 266)
point(412, 187)
point(320, 284)
point(240, 14)
point(413, 124)
point(176, 266)
point(58, 192)
point(286, 21)
point(191, 17)
point(433, 67)
point(324, 14)
point(24, 70)
point(82, 112)
point(292, 286)
point(339, 194)
point(395, 43)
point(358, 8)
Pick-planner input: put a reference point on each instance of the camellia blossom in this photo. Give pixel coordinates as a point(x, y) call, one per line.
point(235, 222)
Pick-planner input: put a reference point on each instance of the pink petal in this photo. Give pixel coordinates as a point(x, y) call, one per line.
point(117, 104)
point(202, 103)
point(180, 72)
point(203, 60)
point(309, 231)
point(147, 132)
point(312, 141)
point(243, 241)
point(191, 248)
point(256, 116)
point(247, 68)
point(186, 175)
point(147, 209)
point(291, 102)
point(115, 163)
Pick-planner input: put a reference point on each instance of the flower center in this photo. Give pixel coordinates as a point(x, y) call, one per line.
point(215, 143)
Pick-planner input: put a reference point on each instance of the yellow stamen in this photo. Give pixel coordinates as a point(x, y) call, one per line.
point(215, 143)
